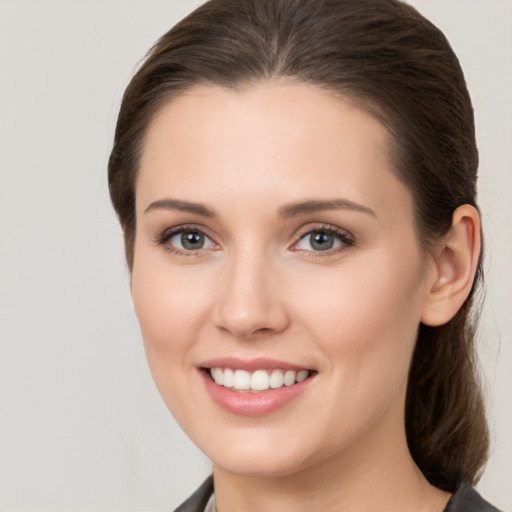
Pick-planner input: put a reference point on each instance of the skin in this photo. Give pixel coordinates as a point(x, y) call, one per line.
point(258, 289)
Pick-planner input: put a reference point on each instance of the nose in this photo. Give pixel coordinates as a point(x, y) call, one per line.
point(251, 303)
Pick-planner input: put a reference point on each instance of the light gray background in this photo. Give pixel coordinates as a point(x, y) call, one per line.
point(82, 427)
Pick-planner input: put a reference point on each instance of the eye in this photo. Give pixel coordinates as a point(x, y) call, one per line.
point(322, 240)
point(189, 240)
point(185, 240)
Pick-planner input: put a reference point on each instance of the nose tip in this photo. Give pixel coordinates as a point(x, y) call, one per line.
point(250, 304)
point(251, 323)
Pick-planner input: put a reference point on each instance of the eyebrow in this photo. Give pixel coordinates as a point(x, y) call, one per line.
point(286, 212)
point(314, 205)
point(183, 206)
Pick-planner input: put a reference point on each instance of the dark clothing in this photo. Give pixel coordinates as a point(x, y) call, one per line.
point(465, 499)
point(197, 502)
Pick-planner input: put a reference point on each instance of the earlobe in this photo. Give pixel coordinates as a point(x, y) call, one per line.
point(454, 266)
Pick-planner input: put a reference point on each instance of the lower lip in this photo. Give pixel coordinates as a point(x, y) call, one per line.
point(252, 404)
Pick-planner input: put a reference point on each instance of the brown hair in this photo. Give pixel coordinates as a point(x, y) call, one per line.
point(394, 63)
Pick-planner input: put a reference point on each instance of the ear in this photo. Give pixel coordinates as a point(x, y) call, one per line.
point(455, 261)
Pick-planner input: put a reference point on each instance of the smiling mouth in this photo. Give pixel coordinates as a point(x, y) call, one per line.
point(257, 381)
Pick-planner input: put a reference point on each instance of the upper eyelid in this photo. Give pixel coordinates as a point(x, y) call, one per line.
point(347, 239)
point(311, 227)
point(174, 230)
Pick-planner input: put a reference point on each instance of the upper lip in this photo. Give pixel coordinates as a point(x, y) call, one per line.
point(251, 365)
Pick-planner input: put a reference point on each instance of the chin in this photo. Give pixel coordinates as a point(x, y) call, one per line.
point(259, 467)
point(256, 456)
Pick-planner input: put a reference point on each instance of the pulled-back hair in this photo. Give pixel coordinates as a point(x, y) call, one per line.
point(390, 61)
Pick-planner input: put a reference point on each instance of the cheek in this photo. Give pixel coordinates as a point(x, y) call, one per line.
point(170, 309)
point(366, 328)
point(171, 304)
point(367, 314)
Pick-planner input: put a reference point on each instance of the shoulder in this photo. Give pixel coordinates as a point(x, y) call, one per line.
point(466, 499)
point(197, 501)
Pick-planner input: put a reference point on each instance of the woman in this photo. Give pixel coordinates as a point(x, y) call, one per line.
point(296, 182)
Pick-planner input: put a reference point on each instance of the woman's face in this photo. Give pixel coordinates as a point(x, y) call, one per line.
point(275, 243)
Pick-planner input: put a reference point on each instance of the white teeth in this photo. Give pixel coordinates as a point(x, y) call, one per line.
point(242, 380)
point(302, 375)
point(228, 377)
point(276, 379)
point(260, 380)
point(289, 378)
point(217, 376)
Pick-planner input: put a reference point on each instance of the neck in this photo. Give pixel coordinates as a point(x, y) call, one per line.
point(376, 473)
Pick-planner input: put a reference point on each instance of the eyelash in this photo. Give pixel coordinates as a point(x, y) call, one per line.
point(164, 238)
point(342, 236)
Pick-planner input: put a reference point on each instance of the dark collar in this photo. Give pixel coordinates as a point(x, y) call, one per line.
point(466, 499)
point(197, 502)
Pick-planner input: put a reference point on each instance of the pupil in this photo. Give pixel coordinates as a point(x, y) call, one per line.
point(192, 240)
point(322, 241)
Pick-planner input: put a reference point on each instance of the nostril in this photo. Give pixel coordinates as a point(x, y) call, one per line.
point(248, 308)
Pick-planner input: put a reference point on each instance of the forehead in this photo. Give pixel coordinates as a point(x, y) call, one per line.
point(273, 137)
point(276, 107)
